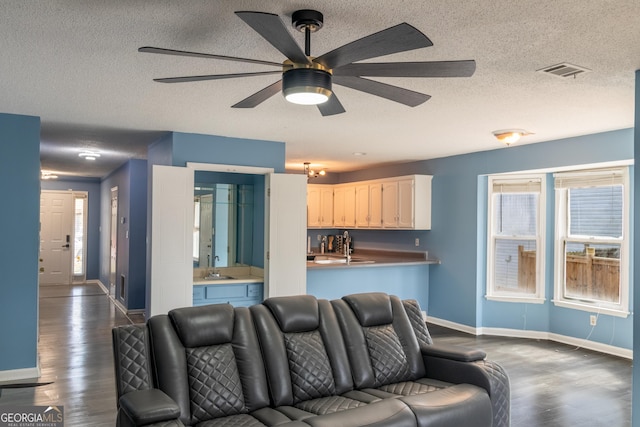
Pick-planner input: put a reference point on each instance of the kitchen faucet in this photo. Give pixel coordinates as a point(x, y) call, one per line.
point(347, 242)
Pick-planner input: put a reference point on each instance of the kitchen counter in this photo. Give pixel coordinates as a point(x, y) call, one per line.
point(373, 258)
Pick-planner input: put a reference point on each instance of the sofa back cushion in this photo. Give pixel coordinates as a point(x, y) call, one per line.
point(303, 349)
point(382, 345)
point(208, 360)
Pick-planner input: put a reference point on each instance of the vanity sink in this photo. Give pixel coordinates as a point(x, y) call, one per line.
point(218, 277)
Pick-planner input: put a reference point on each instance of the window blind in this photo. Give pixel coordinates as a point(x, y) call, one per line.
point(589, 178)
point(527, 185)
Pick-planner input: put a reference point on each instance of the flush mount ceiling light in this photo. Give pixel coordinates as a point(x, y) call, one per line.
point(48, 175)
point(306, 86)
point(89, 155)
point(312, 173)
point(510, 136)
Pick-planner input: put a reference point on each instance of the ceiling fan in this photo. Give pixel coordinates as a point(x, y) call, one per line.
point(308, 80)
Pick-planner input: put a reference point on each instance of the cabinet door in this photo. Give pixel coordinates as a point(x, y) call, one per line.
point(313, 206)
point(349, 218)
point(390, 204)
point(338, 206)
point(362, 205)
point(406, 204)
point(326, 206)
point(375, 205)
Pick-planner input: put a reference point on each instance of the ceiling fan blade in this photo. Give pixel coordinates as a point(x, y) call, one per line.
point(213, 77)
point(409, 69)
point(393, 93)
point(399, 38)
point(149, 49)
point(270, 27)
point(260, 96)
point(331, 107)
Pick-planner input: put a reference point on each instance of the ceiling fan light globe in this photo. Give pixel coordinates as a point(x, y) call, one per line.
point(306, 98)
point(306, 86)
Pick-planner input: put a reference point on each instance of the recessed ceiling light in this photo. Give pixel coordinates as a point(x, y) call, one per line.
point(89, 155)
point(48, 175)
point(359, 153)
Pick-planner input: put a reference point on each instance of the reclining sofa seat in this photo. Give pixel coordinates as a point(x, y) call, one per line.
point(207, 360)
point(387, 361)
point(308, 370)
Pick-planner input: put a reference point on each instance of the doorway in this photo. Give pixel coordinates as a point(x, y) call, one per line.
point(113, 245)
point(63, 237)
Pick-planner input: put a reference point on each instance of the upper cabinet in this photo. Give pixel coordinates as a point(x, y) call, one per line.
point(344, 206)
point(319, 205)
point(393, 203)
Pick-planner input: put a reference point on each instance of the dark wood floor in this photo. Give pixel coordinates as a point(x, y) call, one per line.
point(552, 384)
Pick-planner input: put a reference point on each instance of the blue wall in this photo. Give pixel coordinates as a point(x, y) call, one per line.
point(457, 238)
point(190, 147)
point(19, 222)
point(92, 187)
point(407, 282)
point(131, 180)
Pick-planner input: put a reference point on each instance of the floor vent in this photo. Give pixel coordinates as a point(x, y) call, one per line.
point(564, 70)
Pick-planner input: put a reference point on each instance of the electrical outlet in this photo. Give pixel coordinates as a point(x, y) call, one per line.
point(593, 319)
point(319, 237)
point(417, 241)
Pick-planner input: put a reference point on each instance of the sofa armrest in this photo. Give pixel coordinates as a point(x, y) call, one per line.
point(145, 407)
point(450, 366)
point(454, 352)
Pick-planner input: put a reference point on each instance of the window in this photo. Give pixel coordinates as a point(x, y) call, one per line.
point(592, 253)
point(515, 228)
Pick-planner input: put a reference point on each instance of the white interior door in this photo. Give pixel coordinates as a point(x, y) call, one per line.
point(56, 228)
point(172, 213)
point(286, 229)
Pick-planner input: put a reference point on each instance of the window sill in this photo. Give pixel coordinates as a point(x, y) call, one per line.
point(513, 298)
point(593, 308)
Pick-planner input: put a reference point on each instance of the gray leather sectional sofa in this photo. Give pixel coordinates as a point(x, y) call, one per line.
point(363, 360)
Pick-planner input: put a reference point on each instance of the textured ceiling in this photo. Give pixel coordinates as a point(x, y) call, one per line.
point(76, 65)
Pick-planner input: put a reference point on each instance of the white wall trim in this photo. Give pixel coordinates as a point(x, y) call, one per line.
point(20, 374)
point(212, 167)
point(536, 335)
point(117, 303)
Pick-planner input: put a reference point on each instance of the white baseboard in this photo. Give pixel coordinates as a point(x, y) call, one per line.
point(20, 374)
point(536, 335)
point(117, 303)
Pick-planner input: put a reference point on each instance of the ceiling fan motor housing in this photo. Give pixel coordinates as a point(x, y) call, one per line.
point(302, 19)
point(306, 80)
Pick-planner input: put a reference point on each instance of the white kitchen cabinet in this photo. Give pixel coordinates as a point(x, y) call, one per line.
point(319, 205)
point(375, 205)
point(407, 202)
point(400, 202)
point(362, 205)
point(344, 206)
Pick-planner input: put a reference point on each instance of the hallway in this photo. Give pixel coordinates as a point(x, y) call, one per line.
point(75, 353)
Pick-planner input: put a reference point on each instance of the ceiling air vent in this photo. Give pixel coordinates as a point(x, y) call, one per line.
point(564, 70)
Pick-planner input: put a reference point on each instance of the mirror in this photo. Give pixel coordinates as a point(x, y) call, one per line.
point(223, 225)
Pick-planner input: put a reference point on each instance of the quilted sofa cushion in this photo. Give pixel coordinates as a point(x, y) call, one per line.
point(371, 309)
point(298, 314)
point(201, 326)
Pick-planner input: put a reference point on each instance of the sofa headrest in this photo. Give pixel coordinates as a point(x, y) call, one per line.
point(371, 309)
point(297, 313)
point(203, 326)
